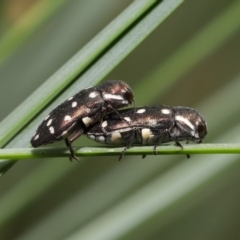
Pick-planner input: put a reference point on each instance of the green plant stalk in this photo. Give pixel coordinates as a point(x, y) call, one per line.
point(43, 152)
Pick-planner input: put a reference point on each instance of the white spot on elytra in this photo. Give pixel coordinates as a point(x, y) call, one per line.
point(185, 120)
point(64, 133)
point(70, 98)
point(141, 110)
point(146, 135)
point(166, 111)
point(101, 139)
point(112, 96)
point(116, 137)
point(49, 122)
point(46, 118)
point(91, 137)
point(93, 94)
point(104, 124)
point(36, 137)
point(152, 122)
point(74, 104)
point(127, 119)
point(67, 118)
point(87, 110)
point(87, 121)
point(51, 129)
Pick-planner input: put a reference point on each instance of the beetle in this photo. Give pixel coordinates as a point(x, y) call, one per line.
point(80, 111)
point(152, 125)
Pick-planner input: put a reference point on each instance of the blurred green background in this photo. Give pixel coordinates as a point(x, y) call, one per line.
point(191, 59)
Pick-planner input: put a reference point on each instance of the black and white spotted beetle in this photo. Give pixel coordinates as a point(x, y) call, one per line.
point(152, 125)
point(82, 110)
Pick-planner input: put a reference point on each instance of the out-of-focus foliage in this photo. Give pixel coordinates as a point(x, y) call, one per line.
point(190, 59)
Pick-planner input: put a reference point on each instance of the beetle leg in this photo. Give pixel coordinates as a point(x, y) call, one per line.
point(159, 141)
point(120, 117)
point(180, 145)
point(76, 135)
point(129, 144)
point(73, 156)
point(101, 120)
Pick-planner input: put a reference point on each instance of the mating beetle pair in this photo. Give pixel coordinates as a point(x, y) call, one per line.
point(151, 125)
point(94, 111)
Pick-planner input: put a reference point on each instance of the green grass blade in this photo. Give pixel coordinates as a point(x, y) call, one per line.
point(100, 69)
point(27, 26)
point(44, 94)
point(202, 44)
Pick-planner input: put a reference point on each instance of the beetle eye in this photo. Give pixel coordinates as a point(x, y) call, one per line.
point(128, 95)
point(202, 129)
